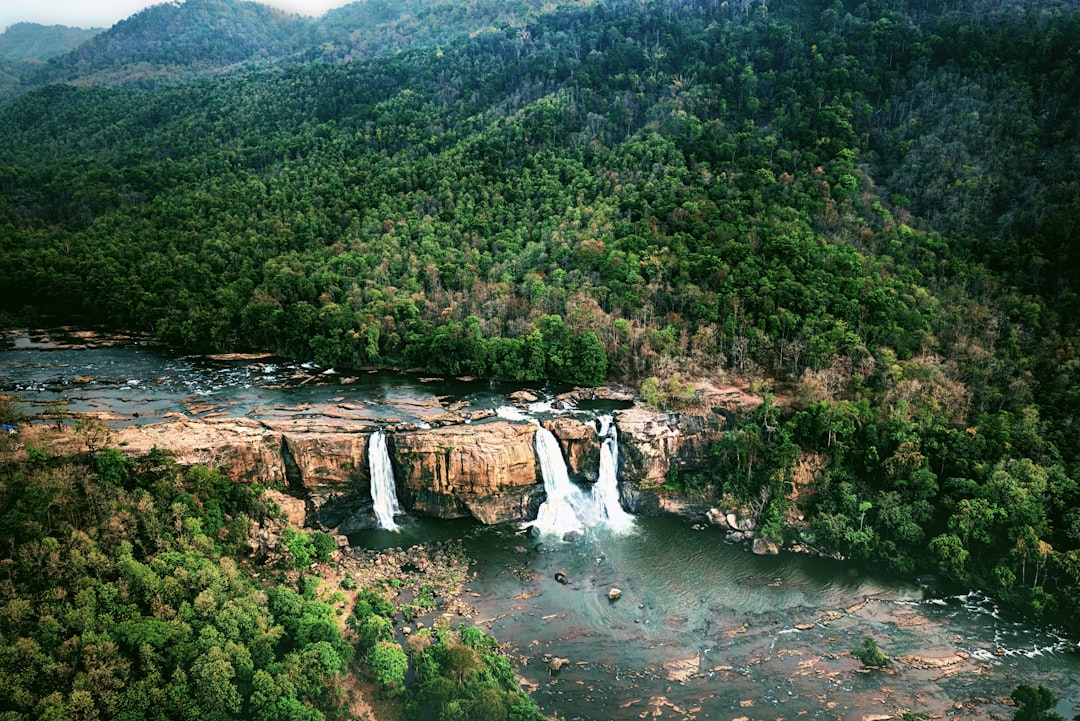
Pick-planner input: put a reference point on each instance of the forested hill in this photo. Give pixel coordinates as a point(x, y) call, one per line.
point(872, 204)
point(31, 41)
point(177, 42)
point(25, 46)
point(172, 42)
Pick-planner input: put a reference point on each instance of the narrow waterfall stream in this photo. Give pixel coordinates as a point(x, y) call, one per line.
point(383, 489)
point(566, 507)
point(606, 491)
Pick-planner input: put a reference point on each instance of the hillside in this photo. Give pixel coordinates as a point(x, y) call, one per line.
point(180, 41)
point(177, 42)
point(870, 206)
point(24, 47)
point(31, 41)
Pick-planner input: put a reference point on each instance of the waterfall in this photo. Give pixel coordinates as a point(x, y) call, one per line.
point(567, 508)
point(606, 491)
point(383, 490)
point(560, 513)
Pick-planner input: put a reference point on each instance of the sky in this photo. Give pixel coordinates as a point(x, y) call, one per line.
point(106, 13)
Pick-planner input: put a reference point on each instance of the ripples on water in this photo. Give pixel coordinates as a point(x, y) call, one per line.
point(140, 385)
point(706, 625)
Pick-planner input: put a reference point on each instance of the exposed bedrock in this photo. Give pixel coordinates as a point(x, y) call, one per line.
point(488, 470)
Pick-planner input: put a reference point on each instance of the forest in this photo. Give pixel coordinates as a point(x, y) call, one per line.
point(866, 210)
point(130, 592)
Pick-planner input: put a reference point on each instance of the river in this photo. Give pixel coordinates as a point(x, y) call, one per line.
point(703, 629)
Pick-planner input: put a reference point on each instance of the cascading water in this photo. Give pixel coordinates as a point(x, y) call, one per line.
point(562, 512)
point(383, 489)
point(567, 508)
point(606, 491)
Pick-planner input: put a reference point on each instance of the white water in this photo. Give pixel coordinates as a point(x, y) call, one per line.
point(509, 413)
point(383, 489)
point(606, 491)
point(565, 507)
point(568, 509)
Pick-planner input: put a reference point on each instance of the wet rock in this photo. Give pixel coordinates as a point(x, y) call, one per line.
point(523, 397)
point(579, 444)
point(741, 522)
point(572, 536)
point(936, 663)
point(488, 472)
point(614, 594)
point(765, 547)
point(718, 518)
point(736, 536)
point(556, 664)
point(560, 576)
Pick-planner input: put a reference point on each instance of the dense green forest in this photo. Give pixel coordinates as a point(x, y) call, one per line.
point(124, 596)
point(868, 207)
point(129, 591)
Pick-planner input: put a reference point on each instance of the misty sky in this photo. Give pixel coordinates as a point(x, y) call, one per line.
point(106, 13)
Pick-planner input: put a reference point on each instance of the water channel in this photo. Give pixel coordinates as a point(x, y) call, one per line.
point(703, 629)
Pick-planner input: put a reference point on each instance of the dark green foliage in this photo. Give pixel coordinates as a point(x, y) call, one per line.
point(323, 546)
point(462, 676)
point(870, 654)
point(112, 466)
point(1035, 703)
point(111, 563)
point(369, 603)
point(388, 663)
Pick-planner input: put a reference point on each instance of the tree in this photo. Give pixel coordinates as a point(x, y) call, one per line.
point(1034, 703)
point(388, 663)
point(949, 552)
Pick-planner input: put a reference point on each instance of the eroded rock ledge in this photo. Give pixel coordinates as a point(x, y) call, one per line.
point(487, 470)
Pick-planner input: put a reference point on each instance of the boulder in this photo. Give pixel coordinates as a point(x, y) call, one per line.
point(718, 518)
point(560, 576)
point(614, 594)
point(556, 664)
point(523, 396)
point(740, 521)
point(293, 510)
point(765, 547)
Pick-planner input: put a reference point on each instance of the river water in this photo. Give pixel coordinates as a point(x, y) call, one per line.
point(703, 629)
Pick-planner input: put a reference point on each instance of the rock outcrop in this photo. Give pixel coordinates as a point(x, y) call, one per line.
point(653, 444)
point(580, 446)
point(488, 471)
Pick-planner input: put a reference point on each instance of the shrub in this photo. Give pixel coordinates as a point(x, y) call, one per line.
point(870, 654)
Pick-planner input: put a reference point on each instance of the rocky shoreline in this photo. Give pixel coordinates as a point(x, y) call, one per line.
point(486, 470)
point(459, 461)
